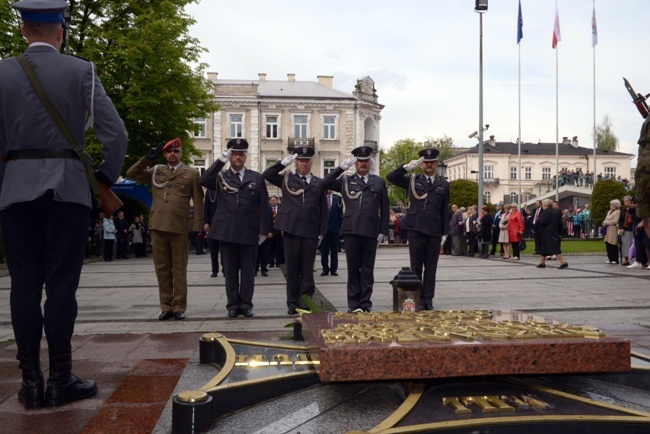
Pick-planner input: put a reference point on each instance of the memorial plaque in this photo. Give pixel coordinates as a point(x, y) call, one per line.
point(437, 344)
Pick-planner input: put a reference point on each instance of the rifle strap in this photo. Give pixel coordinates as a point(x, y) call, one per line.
point(58, 120)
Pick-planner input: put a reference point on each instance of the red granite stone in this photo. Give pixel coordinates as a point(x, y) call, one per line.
point(374, 361)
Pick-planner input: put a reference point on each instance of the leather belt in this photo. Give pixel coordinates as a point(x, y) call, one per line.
point(21, 154)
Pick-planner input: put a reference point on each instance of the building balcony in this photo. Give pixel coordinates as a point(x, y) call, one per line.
point(491, 181)
point(299, 142)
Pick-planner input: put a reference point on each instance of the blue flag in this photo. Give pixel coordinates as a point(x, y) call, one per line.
point(520, 25)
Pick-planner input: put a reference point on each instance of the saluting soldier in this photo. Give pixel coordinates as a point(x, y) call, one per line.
point(46, 199)
point(302, 218)
point(427, 218)
point(174, 186)
point(364, 225)
point(240, 224)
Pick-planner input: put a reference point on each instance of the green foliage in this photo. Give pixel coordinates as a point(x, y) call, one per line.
point(443, 145)
point(604, 192)
point(11, 41)
point(463, 192)
point(605, 138)
point(132, 207)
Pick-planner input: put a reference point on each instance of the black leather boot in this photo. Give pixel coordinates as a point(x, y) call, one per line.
point(31, 393)
point(63, 386)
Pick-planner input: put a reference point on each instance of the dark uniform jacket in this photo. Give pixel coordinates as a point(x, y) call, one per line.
point(170, 210)
point(242, 212)
point(368, 214)
point(304, 214)
point(430, 215)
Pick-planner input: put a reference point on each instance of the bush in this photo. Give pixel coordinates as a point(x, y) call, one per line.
point(604, 192)
point(463, 192)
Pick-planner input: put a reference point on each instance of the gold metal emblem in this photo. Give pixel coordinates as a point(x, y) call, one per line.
point(192, 396)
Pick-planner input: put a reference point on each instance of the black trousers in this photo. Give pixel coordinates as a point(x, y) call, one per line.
point(214, 254)
point(424, 251)
point(329, 247)
point(495, 242)
point(121, 248)
point(262, 260)
point(300, 255)
point(612, 252)
point(360, 253)
point(44, 242)
point(239, 269)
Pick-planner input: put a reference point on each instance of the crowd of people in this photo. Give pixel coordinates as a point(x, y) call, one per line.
point(578, 178)
point(625, 240)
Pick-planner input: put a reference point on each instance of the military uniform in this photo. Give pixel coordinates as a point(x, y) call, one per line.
point(169, 223)
point(642, 173)
point(365, 217)
point(45, 197)
point(427, 221)
point(302, 218)
point(241, 217)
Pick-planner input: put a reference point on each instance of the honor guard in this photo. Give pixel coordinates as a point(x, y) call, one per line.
point(174, 187)
point(45, 200)
point(240, 223)
point(302, 218)
point(364, 224)
point(427, 218)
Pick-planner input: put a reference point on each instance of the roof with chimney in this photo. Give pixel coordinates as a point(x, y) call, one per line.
point(565, 147)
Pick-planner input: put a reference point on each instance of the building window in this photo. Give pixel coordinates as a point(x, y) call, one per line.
point(610, 172)
point(236, 125)
point(487, 197)
point(199, 131)
point(513, 172)
point(199, 165)
point(488, 172)
point(271, 127)
point(328, 166)
point(269, 162)
point(300, 126)
point(513, 197)
point(329, 127)
point(528, 173)
point(546, 173)
point(527, 196)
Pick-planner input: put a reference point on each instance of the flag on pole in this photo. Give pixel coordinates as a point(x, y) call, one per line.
point(556, 28)
point(520, 25)
point(594, 29)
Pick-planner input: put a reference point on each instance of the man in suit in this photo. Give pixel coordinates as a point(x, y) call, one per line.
point(495, 228)
point(174, 185)
point(209, 209)
point(427, 218)
point(302, 218)
point(122, 236)
point(240, 224)
point(455, 230)
point(264, 249)
point(536, 213)
point(45, 199)
point(329, 247)
point(364, 224)
point(276, 249)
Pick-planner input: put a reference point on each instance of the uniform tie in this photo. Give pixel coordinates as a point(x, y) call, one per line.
point(304, 178)
point(238, 175)
point(429, 181)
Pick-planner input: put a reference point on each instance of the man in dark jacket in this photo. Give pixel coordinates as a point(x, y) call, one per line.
point(329, 247)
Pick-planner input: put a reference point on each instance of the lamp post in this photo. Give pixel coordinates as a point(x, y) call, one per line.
point(480, 7)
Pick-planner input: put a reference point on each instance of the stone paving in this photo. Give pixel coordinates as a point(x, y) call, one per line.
point(120, 299)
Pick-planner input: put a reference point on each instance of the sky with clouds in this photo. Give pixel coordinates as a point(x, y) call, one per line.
point(424, 58)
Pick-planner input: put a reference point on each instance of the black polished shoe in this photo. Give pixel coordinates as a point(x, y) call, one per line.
point(165, 315)
point(334, 273)
point(214, 274)
point(265, 273)
point(233, 313)
point(248, 313)
point(292, 311)
point(426, 307)
point(565, 265)
point(324, 273)
point(179, 315)
point(75, 389)
point(541, 265)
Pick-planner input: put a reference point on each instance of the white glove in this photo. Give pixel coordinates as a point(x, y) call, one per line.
point(442, 241)
point(413, 164)
point(320, 239)
point(261, 240)
point(288, 159)
point(225, 156)
point(348, 163)
point(380, 238)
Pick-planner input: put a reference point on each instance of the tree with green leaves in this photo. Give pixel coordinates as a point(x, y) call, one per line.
point(148, 65)
point(463, 192)
point(603, 193)
point(606, 140)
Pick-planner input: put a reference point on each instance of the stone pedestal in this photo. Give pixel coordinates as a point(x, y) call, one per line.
point(437, 344)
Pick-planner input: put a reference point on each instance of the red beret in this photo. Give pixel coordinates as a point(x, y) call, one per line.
point(174, 143)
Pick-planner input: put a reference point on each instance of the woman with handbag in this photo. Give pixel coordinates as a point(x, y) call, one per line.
point(610, 225)
point(515, 229)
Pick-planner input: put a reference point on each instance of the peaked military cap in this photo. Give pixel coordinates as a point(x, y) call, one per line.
point(304, 152)
point(429, 154)
point(174, 143)
point(41, 11)
point(237, 144)
point(362, 152)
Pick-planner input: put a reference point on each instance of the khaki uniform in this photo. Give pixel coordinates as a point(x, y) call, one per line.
point(169, 222)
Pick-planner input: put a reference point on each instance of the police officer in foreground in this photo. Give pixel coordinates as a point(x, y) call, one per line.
point(45, 198)
point(174, 185)
point(364, 224)
point(302, 218)
point(240, 223)
point(426, 218)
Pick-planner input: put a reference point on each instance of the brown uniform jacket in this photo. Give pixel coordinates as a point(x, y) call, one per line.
point(170, 211)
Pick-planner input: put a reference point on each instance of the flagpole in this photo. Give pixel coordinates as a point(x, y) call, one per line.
point(557, 132)
point(519, 131)
point(594, 41)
